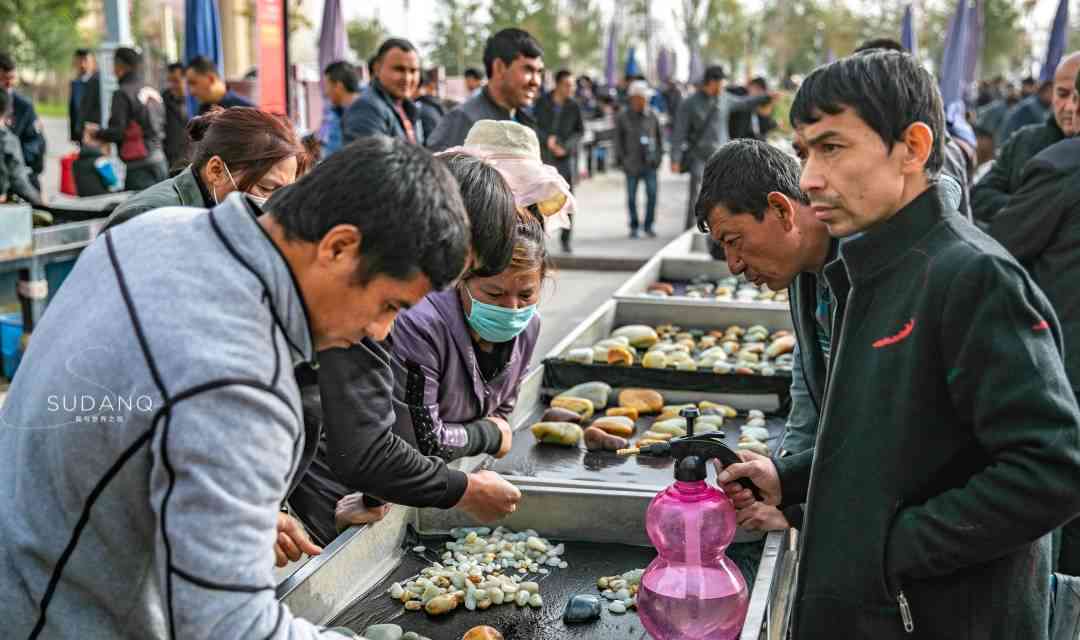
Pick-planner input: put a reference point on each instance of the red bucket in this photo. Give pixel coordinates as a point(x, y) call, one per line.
point(67, 173)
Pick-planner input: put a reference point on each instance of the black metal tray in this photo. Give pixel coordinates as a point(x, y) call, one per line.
point(560, 373)
point(528, 458)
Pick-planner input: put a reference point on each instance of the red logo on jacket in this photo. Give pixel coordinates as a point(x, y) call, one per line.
point(902, 335)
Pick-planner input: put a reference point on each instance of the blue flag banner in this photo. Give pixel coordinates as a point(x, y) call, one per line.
point(202, 37)
point(1059, 36)
point(907, 31)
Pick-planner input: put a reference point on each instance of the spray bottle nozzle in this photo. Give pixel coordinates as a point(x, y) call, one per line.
point(700, 448)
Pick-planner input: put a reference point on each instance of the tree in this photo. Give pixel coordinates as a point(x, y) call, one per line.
point(585, 35)
point(543, 24)
point(458, 39)
point(691, 24)
point(727, 33)
point(507, 13)
point(365, 35)
point(38, 33)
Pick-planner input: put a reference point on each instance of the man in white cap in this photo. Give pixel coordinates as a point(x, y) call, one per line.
point(639, 144)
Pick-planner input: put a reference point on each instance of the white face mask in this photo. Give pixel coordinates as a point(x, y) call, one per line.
point(258, 200)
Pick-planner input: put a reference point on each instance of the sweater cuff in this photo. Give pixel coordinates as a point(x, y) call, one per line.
point(456, 483)
point(794, 473)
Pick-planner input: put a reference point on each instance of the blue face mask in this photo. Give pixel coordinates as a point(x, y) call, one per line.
point(495, 323)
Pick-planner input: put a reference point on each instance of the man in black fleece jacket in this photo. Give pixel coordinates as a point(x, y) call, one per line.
point(949, 440)
point(1041, 228)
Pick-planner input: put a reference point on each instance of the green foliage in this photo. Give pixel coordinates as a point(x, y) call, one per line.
point(365, 35)
point(543, 23)
point(586, 35)
point(40, 33)
point(507, 13)
point(458, 40)
point(727, 33)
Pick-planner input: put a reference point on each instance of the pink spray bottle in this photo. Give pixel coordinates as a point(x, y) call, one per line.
point(692, 590)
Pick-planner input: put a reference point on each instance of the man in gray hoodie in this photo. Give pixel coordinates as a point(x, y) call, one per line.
point(145, 453)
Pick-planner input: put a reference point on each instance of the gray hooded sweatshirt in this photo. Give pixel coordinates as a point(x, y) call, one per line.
point(150, 436)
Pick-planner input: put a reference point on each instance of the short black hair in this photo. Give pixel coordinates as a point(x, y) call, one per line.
point(741, 175)
point(128, 57)
point(81, 53)
point(562, 73)
point(1028, 81)
point(343, 73)
point(393, 43)
point(714, 72)
point(7, 63)
point(176, 66)
point(887, 44)
point(202, 65)
point(491, 208)
point(1046, 85)
point(507, 45)
point(888, 90)
point(474, 73)
point(406, 204)
point(761, 83)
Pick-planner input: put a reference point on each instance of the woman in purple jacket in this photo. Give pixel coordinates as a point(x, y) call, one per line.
point(460, 355)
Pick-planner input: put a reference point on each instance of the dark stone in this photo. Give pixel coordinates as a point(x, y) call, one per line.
point(582, 608)
point(558, 414)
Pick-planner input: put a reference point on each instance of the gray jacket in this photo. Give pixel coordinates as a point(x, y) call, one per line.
point(702, 124)
point(631, 128)
point(182, 190)
point(145, 455)
point(454, 127)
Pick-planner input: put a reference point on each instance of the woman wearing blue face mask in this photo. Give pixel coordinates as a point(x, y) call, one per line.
point(238, 149)
point(460, 355)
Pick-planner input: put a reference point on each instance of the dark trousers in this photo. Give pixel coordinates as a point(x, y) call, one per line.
point(566, 170)
point(649, 178)
point(697, 170)
point(145, 173)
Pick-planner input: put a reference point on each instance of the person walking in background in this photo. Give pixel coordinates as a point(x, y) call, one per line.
point(560, 129)
point(701, 127)
point(639, 144)
point(342, 89)
point(85, 68)
point(474, 81)
point(209, 89)
point(136, 123)
point(428, 101)
point(22, 120)
point(176, 117)
point(755, 123)
point(386, 107)
point(514, 62)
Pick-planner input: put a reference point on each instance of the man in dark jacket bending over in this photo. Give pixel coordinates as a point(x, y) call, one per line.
point(949, 440)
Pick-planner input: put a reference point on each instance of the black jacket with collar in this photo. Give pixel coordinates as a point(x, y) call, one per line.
point(1041, 227)
point(990, 194)
point(946, 413)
